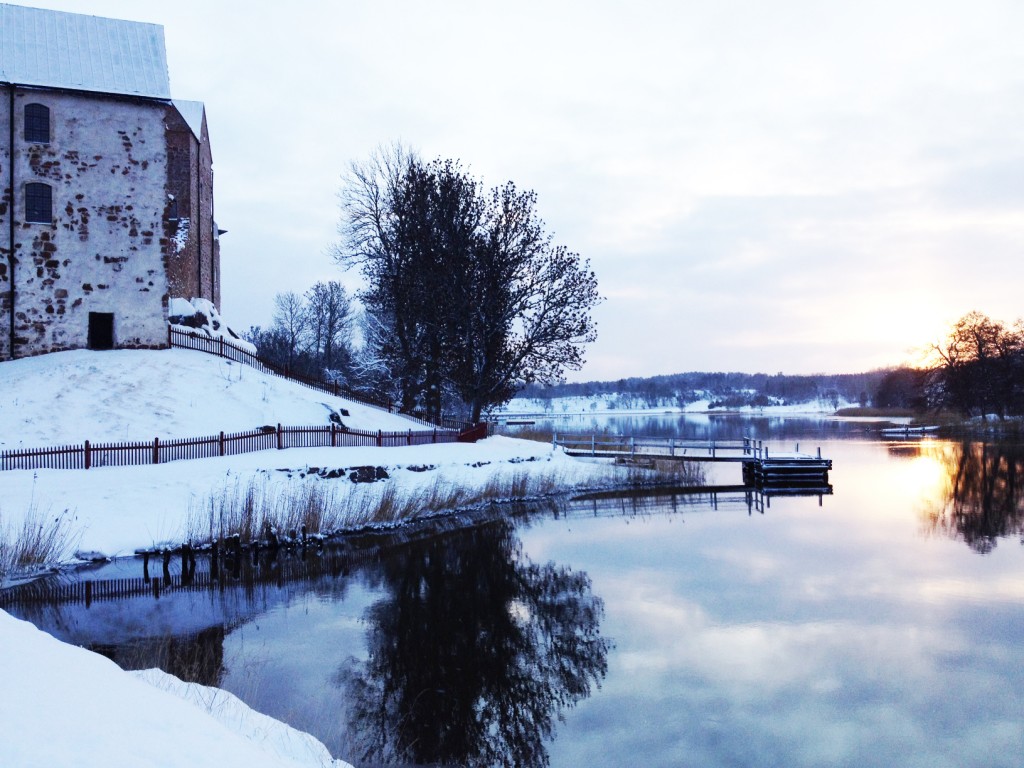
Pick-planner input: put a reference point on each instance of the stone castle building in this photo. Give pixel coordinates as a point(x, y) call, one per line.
point(107, 186)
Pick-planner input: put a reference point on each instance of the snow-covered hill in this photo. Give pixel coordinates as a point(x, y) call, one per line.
point(68, 397)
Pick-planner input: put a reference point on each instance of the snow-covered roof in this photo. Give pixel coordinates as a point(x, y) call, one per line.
point(87, 53)
point(192, 113)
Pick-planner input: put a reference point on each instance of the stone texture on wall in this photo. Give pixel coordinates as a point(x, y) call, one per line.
point(194, 256)
point(105, 250)
point(5, 205)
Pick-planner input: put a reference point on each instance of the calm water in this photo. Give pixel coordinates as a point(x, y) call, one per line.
point(879, 626)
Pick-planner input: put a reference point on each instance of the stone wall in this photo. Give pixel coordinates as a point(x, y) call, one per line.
point(5, 205)
point(194, 254)
point(106, 249)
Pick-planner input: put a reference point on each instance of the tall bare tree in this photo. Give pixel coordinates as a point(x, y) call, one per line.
point(290, 323)
point(329, 321)
point(475, 297)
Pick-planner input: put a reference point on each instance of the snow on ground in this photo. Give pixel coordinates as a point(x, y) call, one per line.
point(65, 706)
point(115, 510)
point(202, 317)
point(69, 397)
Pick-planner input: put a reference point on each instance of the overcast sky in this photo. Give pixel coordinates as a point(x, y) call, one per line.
point(760, 186)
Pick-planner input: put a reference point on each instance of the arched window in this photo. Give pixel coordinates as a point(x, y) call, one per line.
point(37, 123)
point(38, 203)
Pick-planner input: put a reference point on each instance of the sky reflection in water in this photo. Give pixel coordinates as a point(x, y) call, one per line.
point(882, 627)
point(855, 633)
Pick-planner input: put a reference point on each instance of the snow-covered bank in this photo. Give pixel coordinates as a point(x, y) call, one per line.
point(115, 510)
point(66, 706)
point(68, 397)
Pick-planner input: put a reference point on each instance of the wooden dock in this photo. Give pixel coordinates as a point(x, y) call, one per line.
point(761, 466)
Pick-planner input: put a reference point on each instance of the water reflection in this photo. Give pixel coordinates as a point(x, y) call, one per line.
point(982, 498)
point(473, 654)
point(702, 426)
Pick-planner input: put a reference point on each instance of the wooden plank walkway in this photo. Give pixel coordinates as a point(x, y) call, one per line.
point(760, 465)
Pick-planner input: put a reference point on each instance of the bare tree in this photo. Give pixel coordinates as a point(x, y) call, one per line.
point(980, 367)
point(472, 297)
point(329, 320)
point(290, 322)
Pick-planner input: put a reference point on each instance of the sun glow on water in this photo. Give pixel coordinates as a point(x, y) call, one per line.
point(928, 476)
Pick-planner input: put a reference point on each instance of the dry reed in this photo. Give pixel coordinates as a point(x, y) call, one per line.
point(42, 540)
point(249, 508)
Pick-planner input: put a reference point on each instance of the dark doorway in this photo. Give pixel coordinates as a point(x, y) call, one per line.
point(101, 330)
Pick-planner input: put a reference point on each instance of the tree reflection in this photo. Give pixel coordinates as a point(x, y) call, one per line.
point(474, 654)
point(984, 497)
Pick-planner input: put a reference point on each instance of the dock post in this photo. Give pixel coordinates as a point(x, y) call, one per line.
point(593, 450)
point(672, 446)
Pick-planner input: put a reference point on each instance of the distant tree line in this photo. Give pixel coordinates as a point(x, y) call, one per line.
point(976, 370)
point(729, 390)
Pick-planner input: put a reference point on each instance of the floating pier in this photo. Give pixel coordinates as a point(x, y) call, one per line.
point(761, 467)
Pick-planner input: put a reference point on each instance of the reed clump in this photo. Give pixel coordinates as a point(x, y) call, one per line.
point(248, 509)
point(42, 540)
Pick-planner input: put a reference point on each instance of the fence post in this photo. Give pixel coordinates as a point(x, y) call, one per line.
point(156, 450)
point(280, 438)
point(433, 437)
point(333, 433)
point(222, 346)
point(221, 443)
point(88, 455)
point(169, 342)
point(409, 438)
point(380, 438)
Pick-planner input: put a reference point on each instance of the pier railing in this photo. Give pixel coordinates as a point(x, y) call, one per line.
point(745, 449)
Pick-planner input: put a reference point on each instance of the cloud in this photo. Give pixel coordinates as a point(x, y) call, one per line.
point(823, 172)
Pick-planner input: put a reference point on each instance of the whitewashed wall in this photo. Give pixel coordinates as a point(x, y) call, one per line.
point(104, 250)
